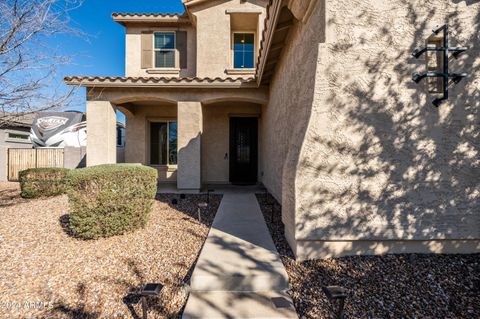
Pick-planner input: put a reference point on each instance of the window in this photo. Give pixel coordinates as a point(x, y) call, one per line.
point(18, 136)
point(243, 50)
point(120, 136)
point(164, 49)
point(163, 143)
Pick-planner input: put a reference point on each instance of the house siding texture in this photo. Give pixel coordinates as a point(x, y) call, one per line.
point(214, 52)
point(361, 160)
point(133, 50)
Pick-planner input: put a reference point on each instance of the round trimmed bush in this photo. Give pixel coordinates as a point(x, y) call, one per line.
point(38, 182)
point(108, 200)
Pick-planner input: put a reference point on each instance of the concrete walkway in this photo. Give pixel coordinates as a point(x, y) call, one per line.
point(239, 273)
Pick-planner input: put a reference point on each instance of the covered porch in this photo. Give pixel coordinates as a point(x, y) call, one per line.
point(194, 135)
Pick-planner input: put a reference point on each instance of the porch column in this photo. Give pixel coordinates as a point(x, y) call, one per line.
point(190, 127)
point(101, 133)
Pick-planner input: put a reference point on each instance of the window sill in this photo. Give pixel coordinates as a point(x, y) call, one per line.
point(164, 71)
point(168, 168)
point(240, 71)
point(17, 140)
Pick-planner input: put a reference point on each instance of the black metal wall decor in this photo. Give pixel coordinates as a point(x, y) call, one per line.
point(446, 74)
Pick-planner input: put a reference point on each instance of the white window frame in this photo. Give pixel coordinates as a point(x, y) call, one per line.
point(174, 50)
point(167, 121)
point(233, 51)
point(9, 139)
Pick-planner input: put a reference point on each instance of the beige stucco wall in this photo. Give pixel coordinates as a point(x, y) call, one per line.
point(215, 138)
point(190, 130)
point(209, 42)
point(133, 51)
point(214, 53)
point(361, 154)
point(102, 133)
point(137, 134)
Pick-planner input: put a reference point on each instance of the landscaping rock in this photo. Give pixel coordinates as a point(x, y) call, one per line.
point(389, 286)
point(46, 273)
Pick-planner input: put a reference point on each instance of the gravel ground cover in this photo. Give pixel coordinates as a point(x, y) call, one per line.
point(46, 273)
point(390, 286)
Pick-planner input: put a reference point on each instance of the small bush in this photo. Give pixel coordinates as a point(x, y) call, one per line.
point(38, 182)
point(109, 200)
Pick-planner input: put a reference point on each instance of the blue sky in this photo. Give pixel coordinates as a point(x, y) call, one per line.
point(103, 52)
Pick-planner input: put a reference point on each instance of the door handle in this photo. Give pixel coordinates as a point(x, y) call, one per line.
point(226, 156)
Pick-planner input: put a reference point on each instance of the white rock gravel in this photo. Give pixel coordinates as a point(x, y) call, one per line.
point(46, 273)
point(390, 286)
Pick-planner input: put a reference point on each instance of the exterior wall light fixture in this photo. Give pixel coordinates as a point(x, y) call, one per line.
point(441, 69)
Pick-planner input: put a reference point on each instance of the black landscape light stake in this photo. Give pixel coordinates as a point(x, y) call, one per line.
point(336, 294)
point(208, 194)
point(446, 74)
point(149, 290)
point(200, 207)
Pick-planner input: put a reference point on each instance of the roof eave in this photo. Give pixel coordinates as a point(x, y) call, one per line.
point(267, 41)
point(135, 18)
point(100, 84)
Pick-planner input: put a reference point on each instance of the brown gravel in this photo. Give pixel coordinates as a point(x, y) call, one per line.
point(390, 286)
point(45, 273)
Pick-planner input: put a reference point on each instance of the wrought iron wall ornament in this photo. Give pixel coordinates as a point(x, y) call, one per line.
point(445, 74)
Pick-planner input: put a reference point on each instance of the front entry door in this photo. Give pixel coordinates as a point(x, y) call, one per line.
point(243, 150)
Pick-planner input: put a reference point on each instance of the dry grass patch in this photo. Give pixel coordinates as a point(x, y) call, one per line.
point(45, 272)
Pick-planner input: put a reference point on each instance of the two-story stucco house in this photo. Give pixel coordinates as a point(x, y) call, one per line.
point(315, 100)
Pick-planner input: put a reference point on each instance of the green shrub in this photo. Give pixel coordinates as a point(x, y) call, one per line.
point(37, 182)
point(109, 200)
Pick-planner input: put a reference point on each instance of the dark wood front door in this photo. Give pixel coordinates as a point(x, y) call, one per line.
point(243, 150)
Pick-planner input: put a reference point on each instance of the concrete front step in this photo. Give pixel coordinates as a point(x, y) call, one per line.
point(239, 283)
point(239, 305)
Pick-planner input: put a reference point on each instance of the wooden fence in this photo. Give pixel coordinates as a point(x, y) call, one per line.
point(23, 158)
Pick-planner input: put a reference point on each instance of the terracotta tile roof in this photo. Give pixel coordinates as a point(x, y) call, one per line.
point(158, 18)
point(90, 81)
point(151, 14)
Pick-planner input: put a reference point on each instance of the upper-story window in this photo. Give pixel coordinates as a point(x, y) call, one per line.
point(164, 49)
point(243, 50)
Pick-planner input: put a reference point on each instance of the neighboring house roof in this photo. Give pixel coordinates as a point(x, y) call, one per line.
point(158, 18)
point(16, 119)
point(109, 81)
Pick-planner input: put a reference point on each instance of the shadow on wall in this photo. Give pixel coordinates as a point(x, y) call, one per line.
point(387, 164)
point(189, 163)
point(285, 121)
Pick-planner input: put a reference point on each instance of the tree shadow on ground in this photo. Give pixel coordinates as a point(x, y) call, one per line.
point(388, 286)
point(187, 204)
point(79, 311)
